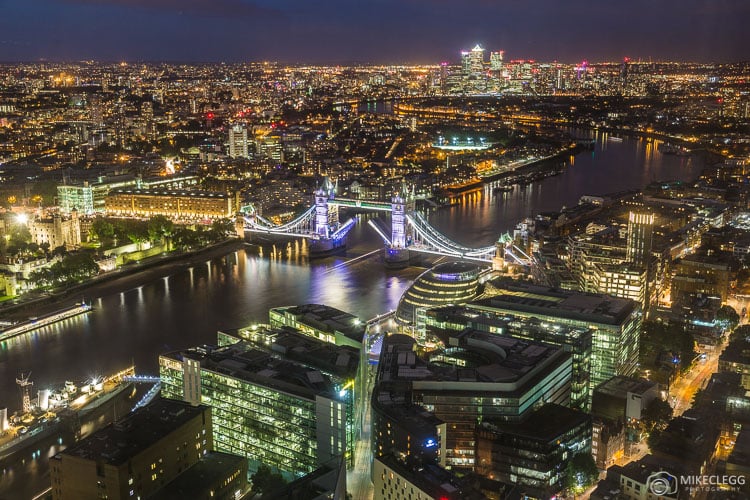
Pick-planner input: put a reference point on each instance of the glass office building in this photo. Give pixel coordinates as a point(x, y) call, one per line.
point(441, 321)
point(270, 410)
point(615, 322)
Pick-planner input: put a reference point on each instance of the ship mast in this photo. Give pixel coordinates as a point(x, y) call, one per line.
point(25, 385)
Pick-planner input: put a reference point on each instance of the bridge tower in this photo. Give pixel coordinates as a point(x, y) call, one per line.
point(498, 261)
point(326, 216)
point(397, 254)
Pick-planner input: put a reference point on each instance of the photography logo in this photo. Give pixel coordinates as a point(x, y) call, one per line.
point(662, 483)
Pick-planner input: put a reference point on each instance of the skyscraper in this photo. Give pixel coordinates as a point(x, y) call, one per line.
point(496, 61)
point(472, 62)
point(238, 147)
point(640, 233)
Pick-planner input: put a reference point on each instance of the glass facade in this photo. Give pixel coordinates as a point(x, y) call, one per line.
point(534, 454)
point(576, 341)
point(615, 323)
point(290, 432)
point(450, 283)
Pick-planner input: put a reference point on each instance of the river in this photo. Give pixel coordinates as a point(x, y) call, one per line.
point(188, 307)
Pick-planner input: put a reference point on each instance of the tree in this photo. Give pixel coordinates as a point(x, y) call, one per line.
point(266, 480)
point(159, 227)
point(657, 414)
point(581, 472)
point(221, 228)
point(728, 317)
point(102, 229)
point(136, 231)
point(654, 438)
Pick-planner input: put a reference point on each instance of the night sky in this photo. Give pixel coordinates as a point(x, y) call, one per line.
point(390, 31)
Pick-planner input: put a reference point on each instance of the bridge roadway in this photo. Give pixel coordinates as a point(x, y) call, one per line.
point(427, 239)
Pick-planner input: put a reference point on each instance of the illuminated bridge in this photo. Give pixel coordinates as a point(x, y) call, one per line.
point(409, 230)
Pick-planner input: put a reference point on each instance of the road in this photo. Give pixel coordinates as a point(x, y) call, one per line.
point(684, 388)
point(358, 481)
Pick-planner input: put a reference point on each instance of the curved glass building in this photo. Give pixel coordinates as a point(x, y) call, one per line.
point(449, 283)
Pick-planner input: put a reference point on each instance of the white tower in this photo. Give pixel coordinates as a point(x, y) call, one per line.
point(238, 146)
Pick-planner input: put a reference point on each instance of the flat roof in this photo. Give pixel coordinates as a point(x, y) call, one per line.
point(243, 362)
point(201, 476)
point(290, 343)
point(191, 193)
point(524, 297)
point(491, 358)
point(117, 443)
point(620, 386)
point(431, 478)
point(546, 424)
point(327, 319)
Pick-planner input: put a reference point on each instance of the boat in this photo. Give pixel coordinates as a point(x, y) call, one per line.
point(58, 410)
point(502, 189)
point(614, 138)
point(36, 322)
point(669, 149)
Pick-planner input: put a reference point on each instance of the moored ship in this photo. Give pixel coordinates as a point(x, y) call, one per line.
point(37, 322)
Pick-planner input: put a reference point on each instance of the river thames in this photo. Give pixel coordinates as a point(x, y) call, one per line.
point(188, 307)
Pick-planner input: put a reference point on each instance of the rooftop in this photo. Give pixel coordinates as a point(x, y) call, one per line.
point(119, 442)
point(492, 359)
point(291, 344)
point(534, 299)
point(620, 385)
point(242, 361)
point(191, 193)
point(327, 319)
point(547, 424)
point(201, 476)
point(431, 478)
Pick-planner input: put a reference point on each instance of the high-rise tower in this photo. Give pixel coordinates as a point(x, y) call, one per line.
point(238, 147)
point(640, 234)
point(472, 62)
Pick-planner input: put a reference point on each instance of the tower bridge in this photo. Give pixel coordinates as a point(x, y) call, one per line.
point(409, 230)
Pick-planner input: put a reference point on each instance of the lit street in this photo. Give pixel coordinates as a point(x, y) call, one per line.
point(684, 388)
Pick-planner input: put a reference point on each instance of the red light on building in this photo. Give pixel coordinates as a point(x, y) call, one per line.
point(210, 116)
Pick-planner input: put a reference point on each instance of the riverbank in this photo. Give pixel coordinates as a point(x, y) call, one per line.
point(122, 279)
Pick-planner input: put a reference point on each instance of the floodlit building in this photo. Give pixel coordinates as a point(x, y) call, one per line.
point(56, 230)
point(238, 145)
point(270, 409)
point(615, 322)
point(178, 204)
point(477, 375)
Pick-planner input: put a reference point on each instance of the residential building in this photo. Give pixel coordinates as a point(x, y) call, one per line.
point(177, 204)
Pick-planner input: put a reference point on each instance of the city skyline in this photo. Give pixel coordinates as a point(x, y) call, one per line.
point(380, 32)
